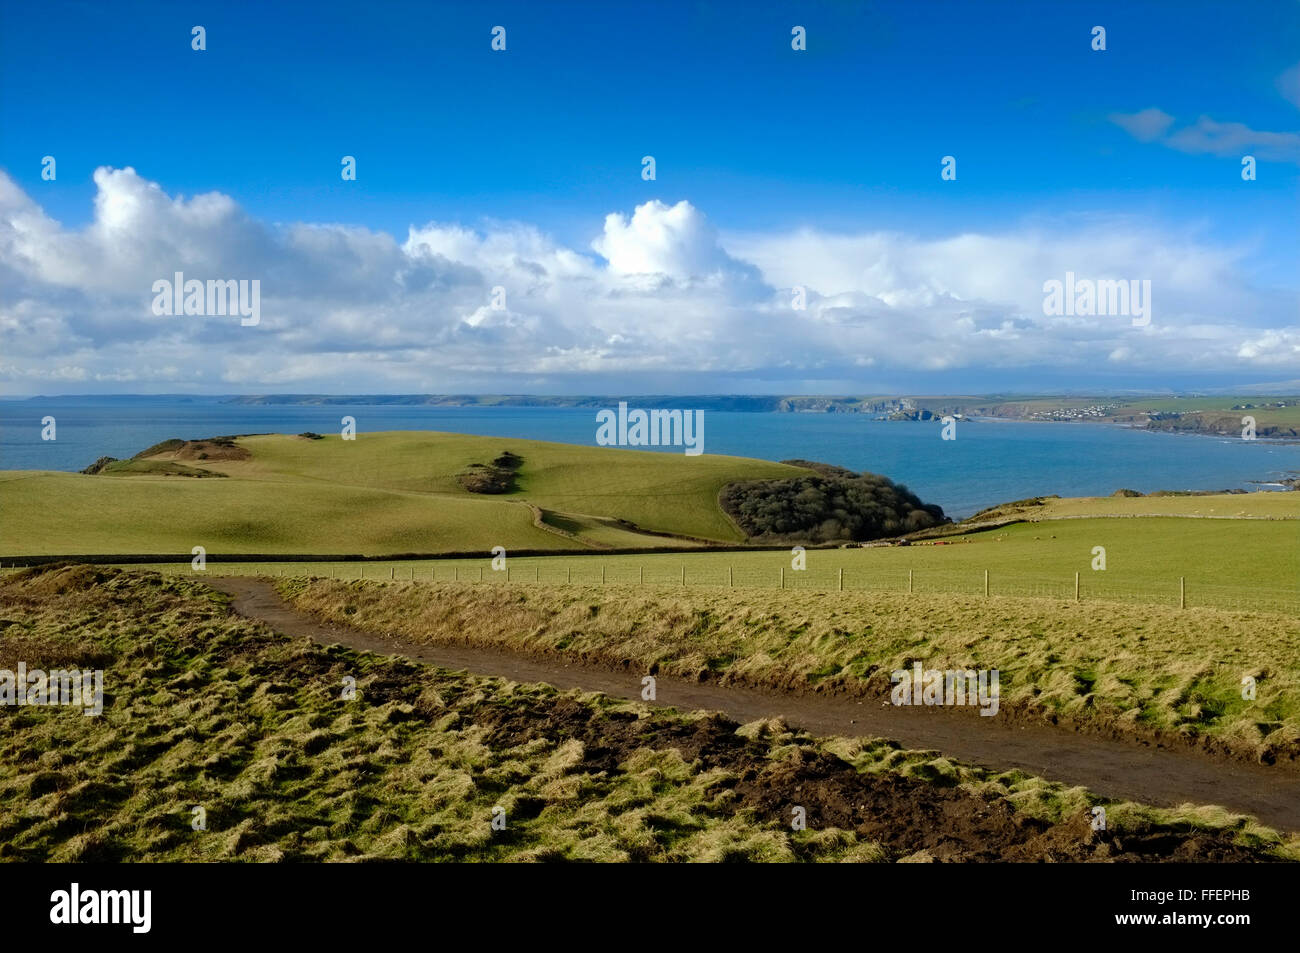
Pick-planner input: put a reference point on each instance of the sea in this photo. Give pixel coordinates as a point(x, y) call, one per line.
point(990, 461)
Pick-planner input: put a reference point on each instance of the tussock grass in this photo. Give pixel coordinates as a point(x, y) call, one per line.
point(1131, 669)
point(205, 708)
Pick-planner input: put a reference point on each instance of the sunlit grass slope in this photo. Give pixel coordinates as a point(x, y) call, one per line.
point(381, 493)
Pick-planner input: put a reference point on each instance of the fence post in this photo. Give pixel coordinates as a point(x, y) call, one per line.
point(480, 573)
point(1182, 593)
point(640, 575)
point(1076, 587)
point(537, 570)
point(568, 574)
point(782, 577)
point(683, 574)
point(731, 580)
point(986, 583)
point(392, 572)
point(909, 580)
point(841, 580)
point(602, 574)
point(363, 570)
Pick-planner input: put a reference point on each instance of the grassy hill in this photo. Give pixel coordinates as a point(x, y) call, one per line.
point(394, 493)
point(1260, 505)
point(1237, 563)
point(382, 493)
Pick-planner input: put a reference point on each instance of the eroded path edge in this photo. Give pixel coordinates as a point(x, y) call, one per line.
point(1112, 769)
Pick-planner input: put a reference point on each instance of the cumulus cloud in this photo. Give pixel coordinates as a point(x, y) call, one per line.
point(676, 242)
point(658, 296)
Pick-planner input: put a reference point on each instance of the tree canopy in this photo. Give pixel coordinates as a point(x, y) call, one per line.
point(833, 505)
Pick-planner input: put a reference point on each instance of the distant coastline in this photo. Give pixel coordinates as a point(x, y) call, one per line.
point(1272, 418)
point(1278, 416)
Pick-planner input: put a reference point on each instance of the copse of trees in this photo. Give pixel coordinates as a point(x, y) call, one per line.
point(832, 505)
point(499, 477)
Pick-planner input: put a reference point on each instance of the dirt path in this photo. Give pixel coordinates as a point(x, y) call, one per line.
point(1109, 768)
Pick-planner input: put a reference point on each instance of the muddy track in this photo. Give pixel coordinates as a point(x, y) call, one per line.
point(1113, 769)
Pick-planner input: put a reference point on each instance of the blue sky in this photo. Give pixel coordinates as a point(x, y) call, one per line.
point(844, 139)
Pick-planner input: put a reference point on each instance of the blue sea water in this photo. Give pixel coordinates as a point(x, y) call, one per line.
point(988, 463)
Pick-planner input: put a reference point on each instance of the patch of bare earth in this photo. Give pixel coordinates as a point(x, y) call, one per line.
point(911, 819)
point(207, 450)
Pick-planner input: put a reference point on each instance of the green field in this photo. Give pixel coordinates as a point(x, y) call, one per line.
point(382, 493)
point(397, 493)
point(1215, 407)
point(1229, 563)
point(1259, 505)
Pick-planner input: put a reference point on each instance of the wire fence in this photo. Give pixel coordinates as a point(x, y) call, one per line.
point(1177, 592)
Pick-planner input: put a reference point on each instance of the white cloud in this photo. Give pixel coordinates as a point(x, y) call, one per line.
point(345, 308)
point(1235, 139)
point(1145, 126)
point(1208, 136)
point(661, 240)
point(1289, 84)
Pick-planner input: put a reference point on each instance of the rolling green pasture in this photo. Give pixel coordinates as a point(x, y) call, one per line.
point(1259, 505)
point(75, 514)
point(394, 493)
point(1248, 564)
point(382, 493)
point(662, 492)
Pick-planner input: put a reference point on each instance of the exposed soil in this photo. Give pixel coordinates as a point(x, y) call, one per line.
point(1111, 768)
point(909, 818)
point(210, 450)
